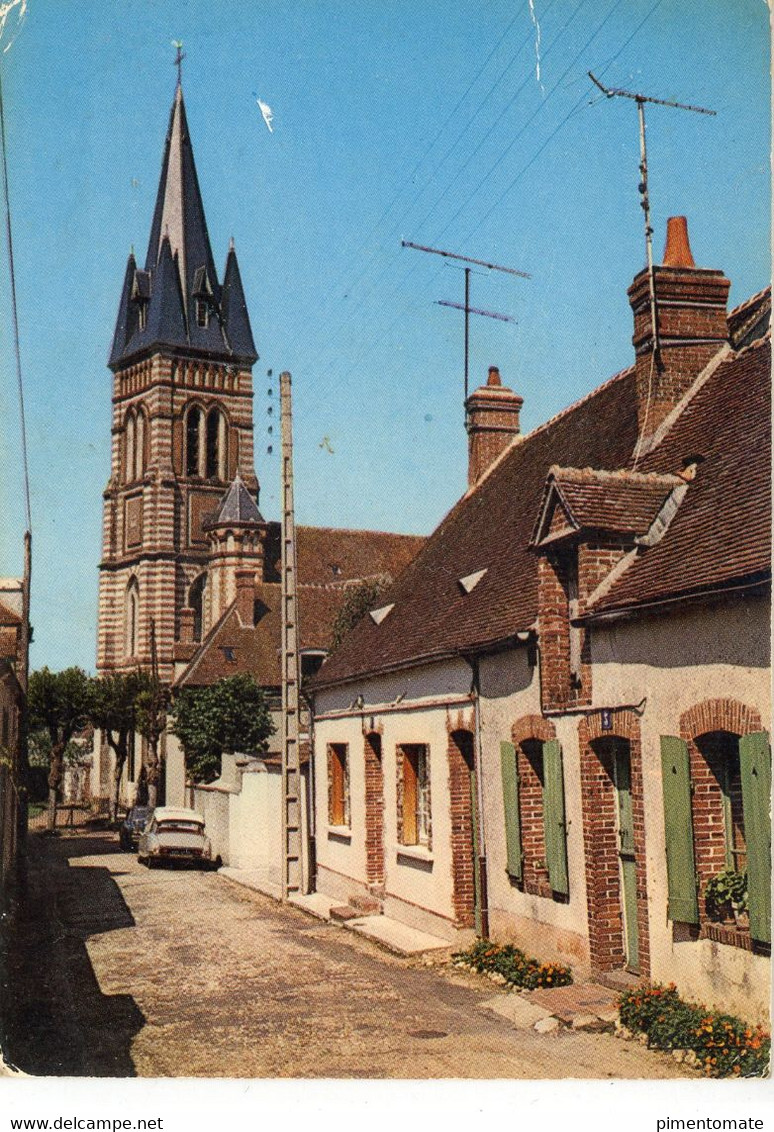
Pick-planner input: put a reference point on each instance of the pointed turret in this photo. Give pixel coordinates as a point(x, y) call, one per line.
point(236, 506)
point(236, 321)
point(187, 303)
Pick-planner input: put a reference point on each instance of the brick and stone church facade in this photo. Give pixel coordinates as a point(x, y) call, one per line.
point(182, 426)
point(187, 556)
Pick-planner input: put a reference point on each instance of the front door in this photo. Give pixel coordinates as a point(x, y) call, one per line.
point(626, 858)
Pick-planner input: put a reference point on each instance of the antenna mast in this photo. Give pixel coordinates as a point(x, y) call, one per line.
point(291, 760)
point(641, 99)
point(466, 307)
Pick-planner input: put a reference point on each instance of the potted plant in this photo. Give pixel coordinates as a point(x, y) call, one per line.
point(726, 897)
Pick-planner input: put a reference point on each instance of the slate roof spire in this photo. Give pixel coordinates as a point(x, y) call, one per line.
point(186, 308)
point(236, 506)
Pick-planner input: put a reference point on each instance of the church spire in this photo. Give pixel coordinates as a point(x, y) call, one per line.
point(192, 303)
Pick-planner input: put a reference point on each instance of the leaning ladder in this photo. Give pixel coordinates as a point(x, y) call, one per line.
point(291, 758)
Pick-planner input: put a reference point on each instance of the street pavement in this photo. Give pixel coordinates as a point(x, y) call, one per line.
point(116, 970)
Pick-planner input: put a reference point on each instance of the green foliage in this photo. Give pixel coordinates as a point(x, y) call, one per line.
point(726, 893)
point(359, 599)
point(229, 716)
point(115, 701)
point(725, 1046)
point(59, 703)
point(513, 965)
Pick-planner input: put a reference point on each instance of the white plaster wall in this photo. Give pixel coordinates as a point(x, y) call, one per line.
point(213, 804)
point(448, 678)
point(421, 880)
point(673, 666)
point(555, 931)
point(175, 772)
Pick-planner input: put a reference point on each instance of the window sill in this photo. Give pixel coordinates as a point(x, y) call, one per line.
point(415, 853)
point(340, 833)
point(723, 933)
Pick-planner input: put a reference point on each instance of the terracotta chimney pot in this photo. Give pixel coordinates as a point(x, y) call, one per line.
point(677, 250)
point(494, 376)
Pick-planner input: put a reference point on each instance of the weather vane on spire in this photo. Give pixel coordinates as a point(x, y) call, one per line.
point(178, 45)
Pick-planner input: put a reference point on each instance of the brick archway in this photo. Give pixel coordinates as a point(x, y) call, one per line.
point(700, 728)
point(532, 727)
point(600, 837)
point(719, 715)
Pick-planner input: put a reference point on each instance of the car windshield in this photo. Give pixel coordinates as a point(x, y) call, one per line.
point(138, 814)
point(179, 825)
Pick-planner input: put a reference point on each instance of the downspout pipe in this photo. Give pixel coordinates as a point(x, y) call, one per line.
point(481, 860)
point(311, 811)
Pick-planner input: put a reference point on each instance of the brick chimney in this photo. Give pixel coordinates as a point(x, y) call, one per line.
point(245, 595)
point(692, 326)
point(493, 421)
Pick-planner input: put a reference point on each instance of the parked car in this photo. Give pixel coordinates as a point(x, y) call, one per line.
point(132, 826)
point(174, 834)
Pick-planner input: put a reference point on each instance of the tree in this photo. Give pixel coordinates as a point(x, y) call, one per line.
point(359, 599)
point(60, 704)
point(229, 716)
point(152, 703)
point(116, 703)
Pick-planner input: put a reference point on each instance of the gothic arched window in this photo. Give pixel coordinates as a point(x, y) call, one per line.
point(140, 441)
point(193, 442)
point(196, 603)
point(216, 445)
point(132, 628)
point(129, 447)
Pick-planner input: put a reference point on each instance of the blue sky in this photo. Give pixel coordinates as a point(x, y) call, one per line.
point(421, 119)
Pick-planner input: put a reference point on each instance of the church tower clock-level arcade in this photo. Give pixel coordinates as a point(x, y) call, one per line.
point(182, 424)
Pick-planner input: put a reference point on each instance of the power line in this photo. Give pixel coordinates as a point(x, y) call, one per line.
point(15, 314)
point(574, 110)
point(452, 114)
point(560, 126)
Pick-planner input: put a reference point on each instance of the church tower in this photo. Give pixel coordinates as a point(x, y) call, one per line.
point(182, 427)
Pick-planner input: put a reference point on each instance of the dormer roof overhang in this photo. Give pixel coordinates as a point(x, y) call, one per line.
point(592, 501)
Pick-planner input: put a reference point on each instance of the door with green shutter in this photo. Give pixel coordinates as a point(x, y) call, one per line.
point(755, 767)
point(627, 862)
point(678, 831)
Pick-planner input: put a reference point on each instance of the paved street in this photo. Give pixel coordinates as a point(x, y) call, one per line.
point(122, 971)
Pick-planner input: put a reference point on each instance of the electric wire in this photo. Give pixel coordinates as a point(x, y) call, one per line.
point(406, 275)
point(574, 110)
point(15, 314)
point(428, 149)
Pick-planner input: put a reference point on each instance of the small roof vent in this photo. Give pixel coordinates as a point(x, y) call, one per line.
point(470, 581)
point(378, 615)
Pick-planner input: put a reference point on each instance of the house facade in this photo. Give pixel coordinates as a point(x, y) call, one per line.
point(554, 728)
point(14, 638)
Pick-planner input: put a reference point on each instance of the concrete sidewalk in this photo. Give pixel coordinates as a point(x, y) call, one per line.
point(391, 934)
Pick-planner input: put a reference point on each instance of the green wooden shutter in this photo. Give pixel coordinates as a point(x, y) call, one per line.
point(554, 821)
point(511, 806)
point(755, 766)
point(678, 829)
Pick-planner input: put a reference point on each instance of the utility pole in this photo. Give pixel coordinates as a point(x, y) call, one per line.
point(466, 307)
point(641, 99)
point(291, 758)
point(156, 721)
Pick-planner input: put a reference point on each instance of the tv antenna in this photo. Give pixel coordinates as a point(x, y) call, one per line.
point(641, 99)
point(466, 307)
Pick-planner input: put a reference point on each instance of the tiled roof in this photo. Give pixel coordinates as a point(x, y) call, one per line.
point(331, 554)
point(489, 528)
point(721, 533)
point(9, 616)
point(620, 501)
point(750, 320)
point(232, 647)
